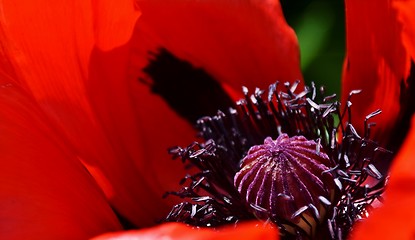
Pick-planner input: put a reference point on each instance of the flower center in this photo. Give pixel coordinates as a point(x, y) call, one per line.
point(289, 179)
point(306, 182)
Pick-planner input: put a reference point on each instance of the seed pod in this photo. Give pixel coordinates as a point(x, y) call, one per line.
point(288, 177)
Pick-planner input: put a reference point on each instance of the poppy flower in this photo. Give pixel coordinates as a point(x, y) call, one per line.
point(84, 132)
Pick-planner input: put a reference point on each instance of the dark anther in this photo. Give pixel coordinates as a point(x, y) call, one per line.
point(292, 158)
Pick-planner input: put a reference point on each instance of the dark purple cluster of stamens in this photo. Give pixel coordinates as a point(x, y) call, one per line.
point(210, 197)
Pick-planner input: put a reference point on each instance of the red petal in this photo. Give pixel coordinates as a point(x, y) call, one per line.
point(237, 42)
point(74, 57)
point(405, 10)
point(395, 219)
point(379, 46)
point(45, 193)
point(249, 231)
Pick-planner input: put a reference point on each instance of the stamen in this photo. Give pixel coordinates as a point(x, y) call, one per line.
point(336, 194)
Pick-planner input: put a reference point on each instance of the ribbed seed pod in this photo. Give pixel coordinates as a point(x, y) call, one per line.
point(287, 177)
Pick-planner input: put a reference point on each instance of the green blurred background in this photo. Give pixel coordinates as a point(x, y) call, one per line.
point(320, 28)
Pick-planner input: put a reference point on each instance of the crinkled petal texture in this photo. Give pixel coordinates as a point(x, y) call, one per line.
point(380, 48)
point(81, 62)
point(395, 219)
point(173, 231)
point(238, 42)
point(45, 192)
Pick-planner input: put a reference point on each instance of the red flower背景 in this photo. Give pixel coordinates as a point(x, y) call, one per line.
point(86, 122)
point(73, 100)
